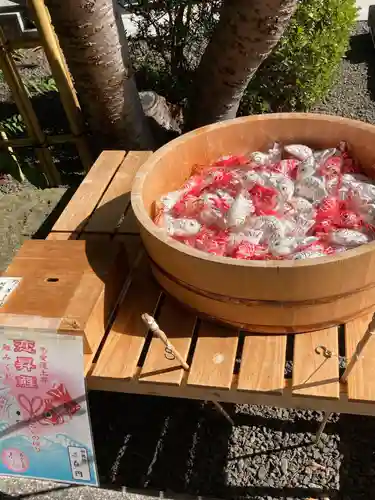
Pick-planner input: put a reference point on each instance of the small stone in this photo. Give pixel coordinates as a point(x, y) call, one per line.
point(284, 465)
point(306, 480)
point(316, 455)
point(308, 471)
point(262, 473)
point(314, 486)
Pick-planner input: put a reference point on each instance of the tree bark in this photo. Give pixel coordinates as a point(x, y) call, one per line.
point(245, 35)
point(97, 56)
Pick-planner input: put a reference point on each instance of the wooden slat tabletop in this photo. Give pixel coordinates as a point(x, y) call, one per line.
point(116, 199)
point(129, 361)
point(214, 356)
point(314, 374)
point(120, 354)
point(263, 363)
point(90, 192)
point(159, 367)
point(361, 381)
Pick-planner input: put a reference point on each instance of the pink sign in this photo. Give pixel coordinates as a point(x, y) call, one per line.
point(44, 424)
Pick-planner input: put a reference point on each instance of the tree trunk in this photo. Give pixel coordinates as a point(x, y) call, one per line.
point(97, 56)
point(245, 35)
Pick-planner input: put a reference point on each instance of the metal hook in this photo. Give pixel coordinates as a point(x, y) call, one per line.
point(168, 354)
point(321, 349)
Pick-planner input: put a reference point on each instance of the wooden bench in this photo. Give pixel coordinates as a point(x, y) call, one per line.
point(225, 365)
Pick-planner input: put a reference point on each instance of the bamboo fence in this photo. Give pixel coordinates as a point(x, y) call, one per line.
point(37, 139)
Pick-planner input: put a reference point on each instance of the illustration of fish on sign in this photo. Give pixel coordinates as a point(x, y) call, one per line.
point(55, 409)
point(60, 401)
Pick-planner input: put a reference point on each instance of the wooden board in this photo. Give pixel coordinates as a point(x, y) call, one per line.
point(78, 282)
point(214, 356)
point(123, 346)
point(361, 381)
point(116, 200)
point(313, 374)
point(178, 325)
point(89, 193)
point(263, 364)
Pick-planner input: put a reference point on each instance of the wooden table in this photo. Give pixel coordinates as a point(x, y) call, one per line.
point(225, 364)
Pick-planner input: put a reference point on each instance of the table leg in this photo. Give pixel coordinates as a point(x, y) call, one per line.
point(326, 416)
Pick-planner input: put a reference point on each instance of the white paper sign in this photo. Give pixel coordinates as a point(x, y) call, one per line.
point(7, 286)
point(45, 430)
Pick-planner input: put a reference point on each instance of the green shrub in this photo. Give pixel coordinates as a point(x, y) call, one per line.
point(302, 68)
point(299, 72)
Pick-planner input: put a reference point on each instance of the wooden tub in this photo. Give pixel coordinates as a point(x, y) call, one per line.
point(261, 296)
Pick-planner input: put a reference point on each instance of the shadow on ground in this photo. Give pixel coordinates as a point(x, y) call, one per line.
point(184, 447)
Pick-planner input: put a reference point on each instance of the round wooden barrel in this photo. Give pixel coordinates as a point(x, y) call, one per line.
point(261, 296)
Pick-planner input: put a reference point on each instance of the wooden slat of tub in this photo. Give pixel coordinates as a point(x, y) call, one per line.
point(263, 363)
point(123, 346)
point(89, 193)
point(313, 374)
point(361, 381)
point(214, 356)
point(178, 324)
point(116, 199)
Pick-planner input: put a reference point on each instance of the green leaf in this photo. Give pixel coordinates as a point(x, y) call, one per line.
point(305, 62)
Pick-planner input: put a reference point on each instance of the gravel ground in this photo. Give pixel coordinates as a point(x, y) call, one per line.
point(353, 95)
point(185, 447)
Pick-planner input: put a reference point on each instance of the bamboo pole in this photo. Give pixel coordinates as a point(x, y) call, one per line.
point(4, 143)
point(62, 77)
point(26, 142)
point(26, 110)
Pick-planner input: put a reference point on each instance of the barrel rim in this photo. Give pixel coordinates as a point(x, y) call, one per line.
point(147, 223)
